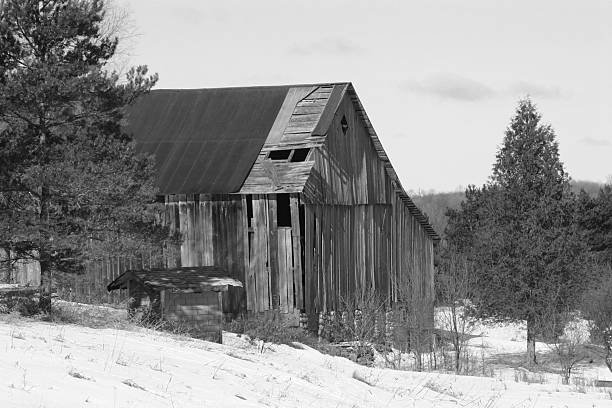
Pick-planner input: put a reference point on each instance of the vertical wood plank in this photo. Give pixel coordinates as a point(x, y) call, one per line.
point(308, 259)
point(182, 226)
point(296, 235)
point(265, 249)
point(191, 230)
point(319, 290)
point(248, 270)
point(274, 257)
point(289, 270)
point(283, 268)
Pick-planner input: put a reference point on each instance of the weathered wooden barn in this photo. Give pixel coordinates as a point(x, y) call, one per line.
point(289, 190)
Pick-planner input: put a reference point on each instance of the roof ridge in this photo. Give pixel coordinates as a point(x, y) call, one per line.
point(303, 85)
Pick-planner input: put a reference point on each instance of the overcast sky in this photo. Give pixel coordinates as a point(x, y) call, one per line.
point(440, 80)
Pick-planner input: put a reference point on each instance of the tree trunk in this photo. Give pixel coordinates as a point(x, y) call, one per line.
point(531, 352)
point(44, 256)
point(457, 359)
point(608, 344)
point(456, 339)
point(44, 302)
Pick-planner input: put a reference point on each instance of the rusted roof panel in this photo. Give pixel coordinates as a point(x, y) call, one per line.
point(205, 140)
point(188, 279)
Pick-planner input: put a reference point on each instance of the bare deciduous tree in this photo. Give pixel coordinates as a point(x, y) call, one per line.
point(569, 338)
point(454, 286)
point(597, 308)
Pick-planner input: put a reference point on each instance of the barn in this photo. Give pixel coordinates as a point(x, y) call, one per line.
point(289, 190)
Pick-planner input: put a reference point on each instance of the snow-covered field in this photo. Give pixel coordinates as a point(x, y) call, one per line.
point(62, 365)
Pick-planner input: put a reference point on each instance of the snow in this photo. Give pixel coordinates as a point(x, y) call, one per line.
point(63, 365)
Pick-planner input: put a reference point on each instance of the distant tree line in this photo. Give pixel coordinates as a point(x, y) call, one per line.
point(436, 204)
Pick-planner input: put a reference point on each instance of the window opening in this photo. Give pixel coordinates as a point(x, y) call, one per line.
point(344, 124)
point(299, 155)
point(249, 203)
point(279, 154)
point(283, 210)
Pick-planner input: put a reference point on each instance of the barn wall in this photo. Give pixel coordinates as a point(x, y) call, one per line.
point(347, 169)
point(274, 273)
point(412, 262)
point(347, 251)
point(212, 232)
point(351, 248)
point(239, 233)
point(359, 233)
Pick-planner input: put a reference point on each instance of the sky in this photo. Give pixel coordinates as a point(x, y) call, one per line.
point(439, 79)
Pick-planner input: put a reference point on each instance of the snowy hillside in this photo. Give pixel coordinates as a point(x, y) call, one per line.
point(55, 365)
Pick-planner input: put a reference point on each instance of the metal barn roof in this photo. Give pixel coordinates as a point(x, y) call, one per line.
point(204, 140)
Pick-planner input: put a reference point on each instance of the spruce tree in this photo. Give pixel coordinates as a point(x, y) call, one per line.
point(71, 184)
point(520, 230)
point(595, 219)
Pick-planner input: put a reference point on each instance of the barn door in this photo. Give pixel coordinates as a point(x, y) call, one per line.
point(258, 279)
point(274, 273)
point(285, 270)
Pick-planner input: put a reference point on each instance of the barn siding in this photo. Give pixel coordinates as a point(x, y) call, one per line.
point(360, 233)
point(266, 176)
point(347, 169)
point(267, 258)
point(213, 233)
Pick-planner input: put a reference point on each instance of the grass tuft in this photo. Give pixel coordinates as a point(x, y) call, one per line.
point(74, 373)
point(131, 383)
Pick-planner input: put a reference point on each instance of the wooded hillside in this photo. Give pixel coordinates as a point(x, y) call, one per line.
point(435, 204)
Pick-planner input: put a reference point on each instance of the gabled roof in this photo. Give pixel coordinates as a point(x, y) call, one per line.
point(207, 140)
point(188, 279)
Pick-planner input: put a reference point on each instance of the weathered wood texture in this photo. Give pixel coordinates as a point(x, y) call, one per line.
point(347, 168)
point(286, 177)
point(213, 233)
point(361, 231)
point(218, 230)
point(274, 271)
point(349, 249)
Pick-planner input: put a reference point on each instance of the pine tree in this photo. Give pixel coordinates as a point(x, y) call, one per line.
point(520, 230)
point(71, 185)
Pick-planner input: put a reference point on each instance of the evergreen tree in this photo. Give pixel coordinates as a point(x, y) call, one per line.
point(520, 230)
point(71, 185)
point(595, 218)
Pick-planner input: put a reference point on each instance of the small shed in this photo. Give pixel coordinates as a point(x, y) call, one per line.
point(190, 296)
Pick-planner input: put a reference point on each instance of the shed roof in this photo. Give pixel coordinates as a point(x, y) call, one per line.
point(187, 279)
